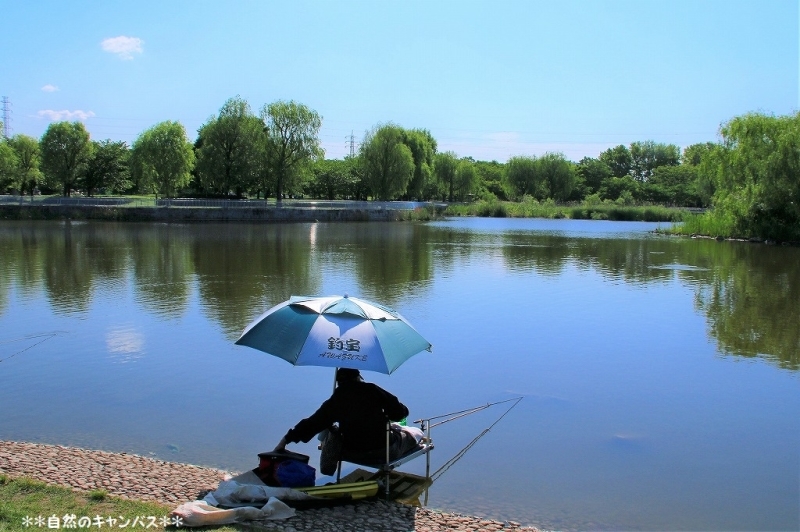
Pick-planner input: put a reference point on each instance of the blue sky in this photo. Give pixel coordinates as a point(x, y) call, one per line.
point(489, 79)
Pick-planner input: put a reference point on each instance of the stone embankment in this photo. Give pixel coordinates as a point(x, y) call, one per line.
point(190, 214)
point(140, 478)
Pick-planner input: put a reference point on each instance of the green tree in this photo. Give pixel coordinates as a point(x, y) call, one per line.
point(445, 167)
point(618, 159)
point(65, 148)
point(615, 188)
point(673, 185)
point(28, 154)
point(523, 178)
point(332, 178)
point(466, 181)
point(162, 159)
point(8, 165)
point(593, 172)
point(647, 156)
point(107, 167)
point(230, 149)
point(756, 173)
point(558, 175)
point(292, 142)
point(491, 176)
point(694, 156)
point(387, 162)
point(423, 150)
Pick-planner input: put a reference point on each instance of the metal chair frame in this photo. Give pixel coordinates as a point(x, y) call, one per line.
point(387, 466)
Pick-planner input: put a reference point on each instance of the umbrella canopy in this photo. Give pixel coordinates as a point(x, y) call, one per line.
point(335, 331)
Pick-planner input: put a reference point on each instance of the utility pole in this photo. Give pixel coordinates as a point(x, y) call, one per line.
point(6, 117)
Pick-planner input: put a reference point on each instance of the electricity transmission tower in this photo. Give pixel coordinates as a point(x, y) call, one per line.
point(352, 142)
point(6, 117)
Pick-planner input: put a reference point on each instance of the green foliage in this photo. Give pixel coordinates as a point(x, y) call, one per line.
point(292, 144)
point(230, 150)
point(593, 172)
point(559, 175)
point(614, 187)
point(161, 159)
point(65, 149)
point(755, 173)
point(334, 178)
point(618, 160)
point(27, 174)
point(529, 207)
point(466, 179)
point(491, 176)
point(673, 184)
point(98, 495)
point(8, 165)
point(423, 150)
point(107, 168)
point(387, 162)
point(648, 155)
point(522, 178)
point(445, 167)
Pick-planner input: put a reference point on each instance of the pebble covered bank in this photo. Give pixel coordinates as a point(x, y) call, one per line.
point(147, 479)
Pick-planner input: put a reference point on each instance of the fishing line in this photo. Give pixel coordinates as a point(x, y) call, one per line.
point(45, 337)
point(462, 413)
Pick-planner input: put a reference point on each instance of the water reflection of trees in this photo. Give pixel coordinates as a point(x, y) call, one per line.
point(162, 267)
point(748, 293)
point(752, 302)
point(389, 261)
point(244, 269)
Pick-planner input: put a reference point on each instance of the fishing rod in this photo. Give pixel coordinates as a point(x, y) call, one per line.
point(426, 426)
point(45, 336)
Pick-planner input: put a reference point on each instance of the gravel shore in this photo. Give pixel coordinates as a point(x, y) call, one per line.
point(137, 477)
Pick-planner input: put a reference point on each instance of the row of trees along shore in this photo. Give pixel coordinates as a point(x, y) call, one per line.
point(750, 178)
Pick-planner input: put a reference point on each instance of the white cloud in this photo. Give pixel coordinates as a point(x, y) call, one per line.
point(123, 46)
point(124, 343)
point(57, 116)
point(49, 88)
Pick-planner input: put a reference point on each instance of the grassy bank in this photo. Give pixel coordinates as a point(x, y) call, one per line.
point(27, 504)
point(717, 224)
point(585, 211)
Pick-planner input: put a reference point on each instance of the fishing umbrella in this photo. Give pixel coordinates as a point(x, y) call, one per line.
point(335, 331)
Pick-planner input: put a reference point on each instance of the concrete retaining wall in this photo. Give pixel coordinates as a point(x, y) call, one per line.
point(189, 214)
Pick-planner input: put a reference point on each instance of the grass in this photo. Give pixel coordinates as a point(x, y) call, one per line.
point(585, 211)
point(40, 506)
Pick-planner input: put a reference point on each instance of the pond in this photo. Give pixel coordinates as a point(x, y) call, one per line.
point(659, 375)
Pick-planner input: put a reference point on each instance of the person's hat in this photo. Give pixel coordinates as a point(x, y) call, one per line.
point(347, 374)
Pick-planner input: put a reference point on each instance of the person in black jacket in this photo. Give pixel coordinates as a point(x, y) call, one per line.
point(361, 410)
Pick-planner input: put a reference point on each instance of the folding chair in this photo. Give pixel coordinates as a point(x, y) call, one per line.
point(381, 460)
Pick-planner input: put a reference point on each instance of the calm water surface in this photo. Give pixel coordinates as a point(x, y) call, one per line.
point(659, 375)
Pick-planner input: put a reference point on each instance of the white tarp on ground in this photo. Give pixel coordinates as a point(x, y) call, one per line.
point(241, 499)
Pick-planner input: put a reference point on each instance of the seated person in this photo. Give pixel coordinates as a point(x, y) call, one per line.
point(361, 410)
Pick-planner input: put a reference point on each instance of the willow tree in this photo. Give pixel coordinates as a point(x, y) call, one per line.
point(292, 143)
point(755, 171)
point(387, 161)
point(162, 158)
point(445, 167)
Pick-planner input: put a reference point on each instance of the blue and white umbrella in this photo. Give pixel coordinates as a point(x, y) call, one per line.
point(335, 331)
